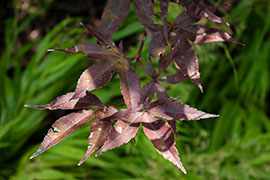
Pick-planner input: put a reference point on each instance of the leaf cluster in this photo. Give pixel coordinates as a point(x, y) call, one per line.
point(157, 118)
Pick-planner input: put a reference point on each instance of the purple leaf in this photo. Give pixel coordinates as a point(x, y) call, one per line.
point(148, 92)
point(172, 123)
point(100, 130)
point(63, 127)
point(144, 10)
point(187, 62)
point(157, 45)
point(161, 91)
point(121, 47)
point(161, 135)
point(178, 111)
point(213, 35)
point(130, 88)
point(198, 12)
point(160, 102)
point(123, 131)
point(163, 4)
point(102, 39)
point(150, 89)
point(90, 50)
point(184, 19)
point(94, 77)
point(202, 34)
point(166, 59)
point(65, 102)
point(175, 78)
point(114, 12)
point(150, 70)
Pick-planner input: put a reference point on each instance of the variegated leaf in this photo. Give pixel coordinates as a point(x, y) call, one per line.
point(63, 127)
point(161, 135)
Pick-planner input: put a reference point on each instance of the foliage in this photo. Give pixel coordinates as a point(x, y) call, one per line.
point(141, 110)
point(236, 153)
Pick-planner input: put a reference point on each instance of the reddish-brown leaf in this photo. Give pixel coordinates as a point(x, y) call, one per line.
point(101, 38)
point(130, 88)
point(94, 77)
point(65, 102)
point(114, 12)
point(213, 35)
point(100, 130)
point(150, 89)
point(166, 59)
point(63, 127)
point(150, 70)
point(172, 123)
point(198, 12)
point(157, 45)
point(148, 92)
point(144, 10)
point(184, 19)
point(178, 111)
point(163, 4)
point(160, 102)
point(187, 62)
point(175, 78)
point(93, 51)
point(123, 131)
point(161, 135)
point(161, 91)
point(203, 34)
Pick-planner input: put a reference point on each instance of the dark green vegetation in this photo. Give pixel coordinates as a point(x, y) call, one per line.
point(236, 86)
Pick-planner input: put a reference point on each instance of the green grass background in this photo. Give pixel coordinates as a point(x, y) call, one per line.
point(236, 85)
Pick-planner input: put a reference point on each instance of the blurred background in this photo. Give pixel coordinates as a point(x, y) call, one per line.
point(235, 80)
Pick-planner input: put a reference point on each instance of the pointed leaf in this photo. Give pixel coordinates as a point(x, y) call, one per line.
point(163, 4)
point(130, 88)
point(63, 127)
point(160, 102)
point(161, 135)
point(172, 123)
point(148, 92)
point(65, 102)
point(150, 70)
point(202, 34)
point(198, 12)
point(94, 77)
point(121, 46)
point(178, 111)
point(187, 62)
point(101, 38)
point(157, 45)
point(106, 113)
point(175, 78)
point(150, 89)
point(213, 35)
point(93, 51)
point(161, 91)
point(123, 131)
point(144, 10)
point(166, 59)
point(100, 130)
point(115, 11)
point(184, 19)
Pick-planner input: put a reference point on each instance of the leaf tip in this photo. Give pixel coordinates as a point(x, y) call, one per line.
point(34, 155)
point(98, 153)
point(184, 171)
point(80, 163)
